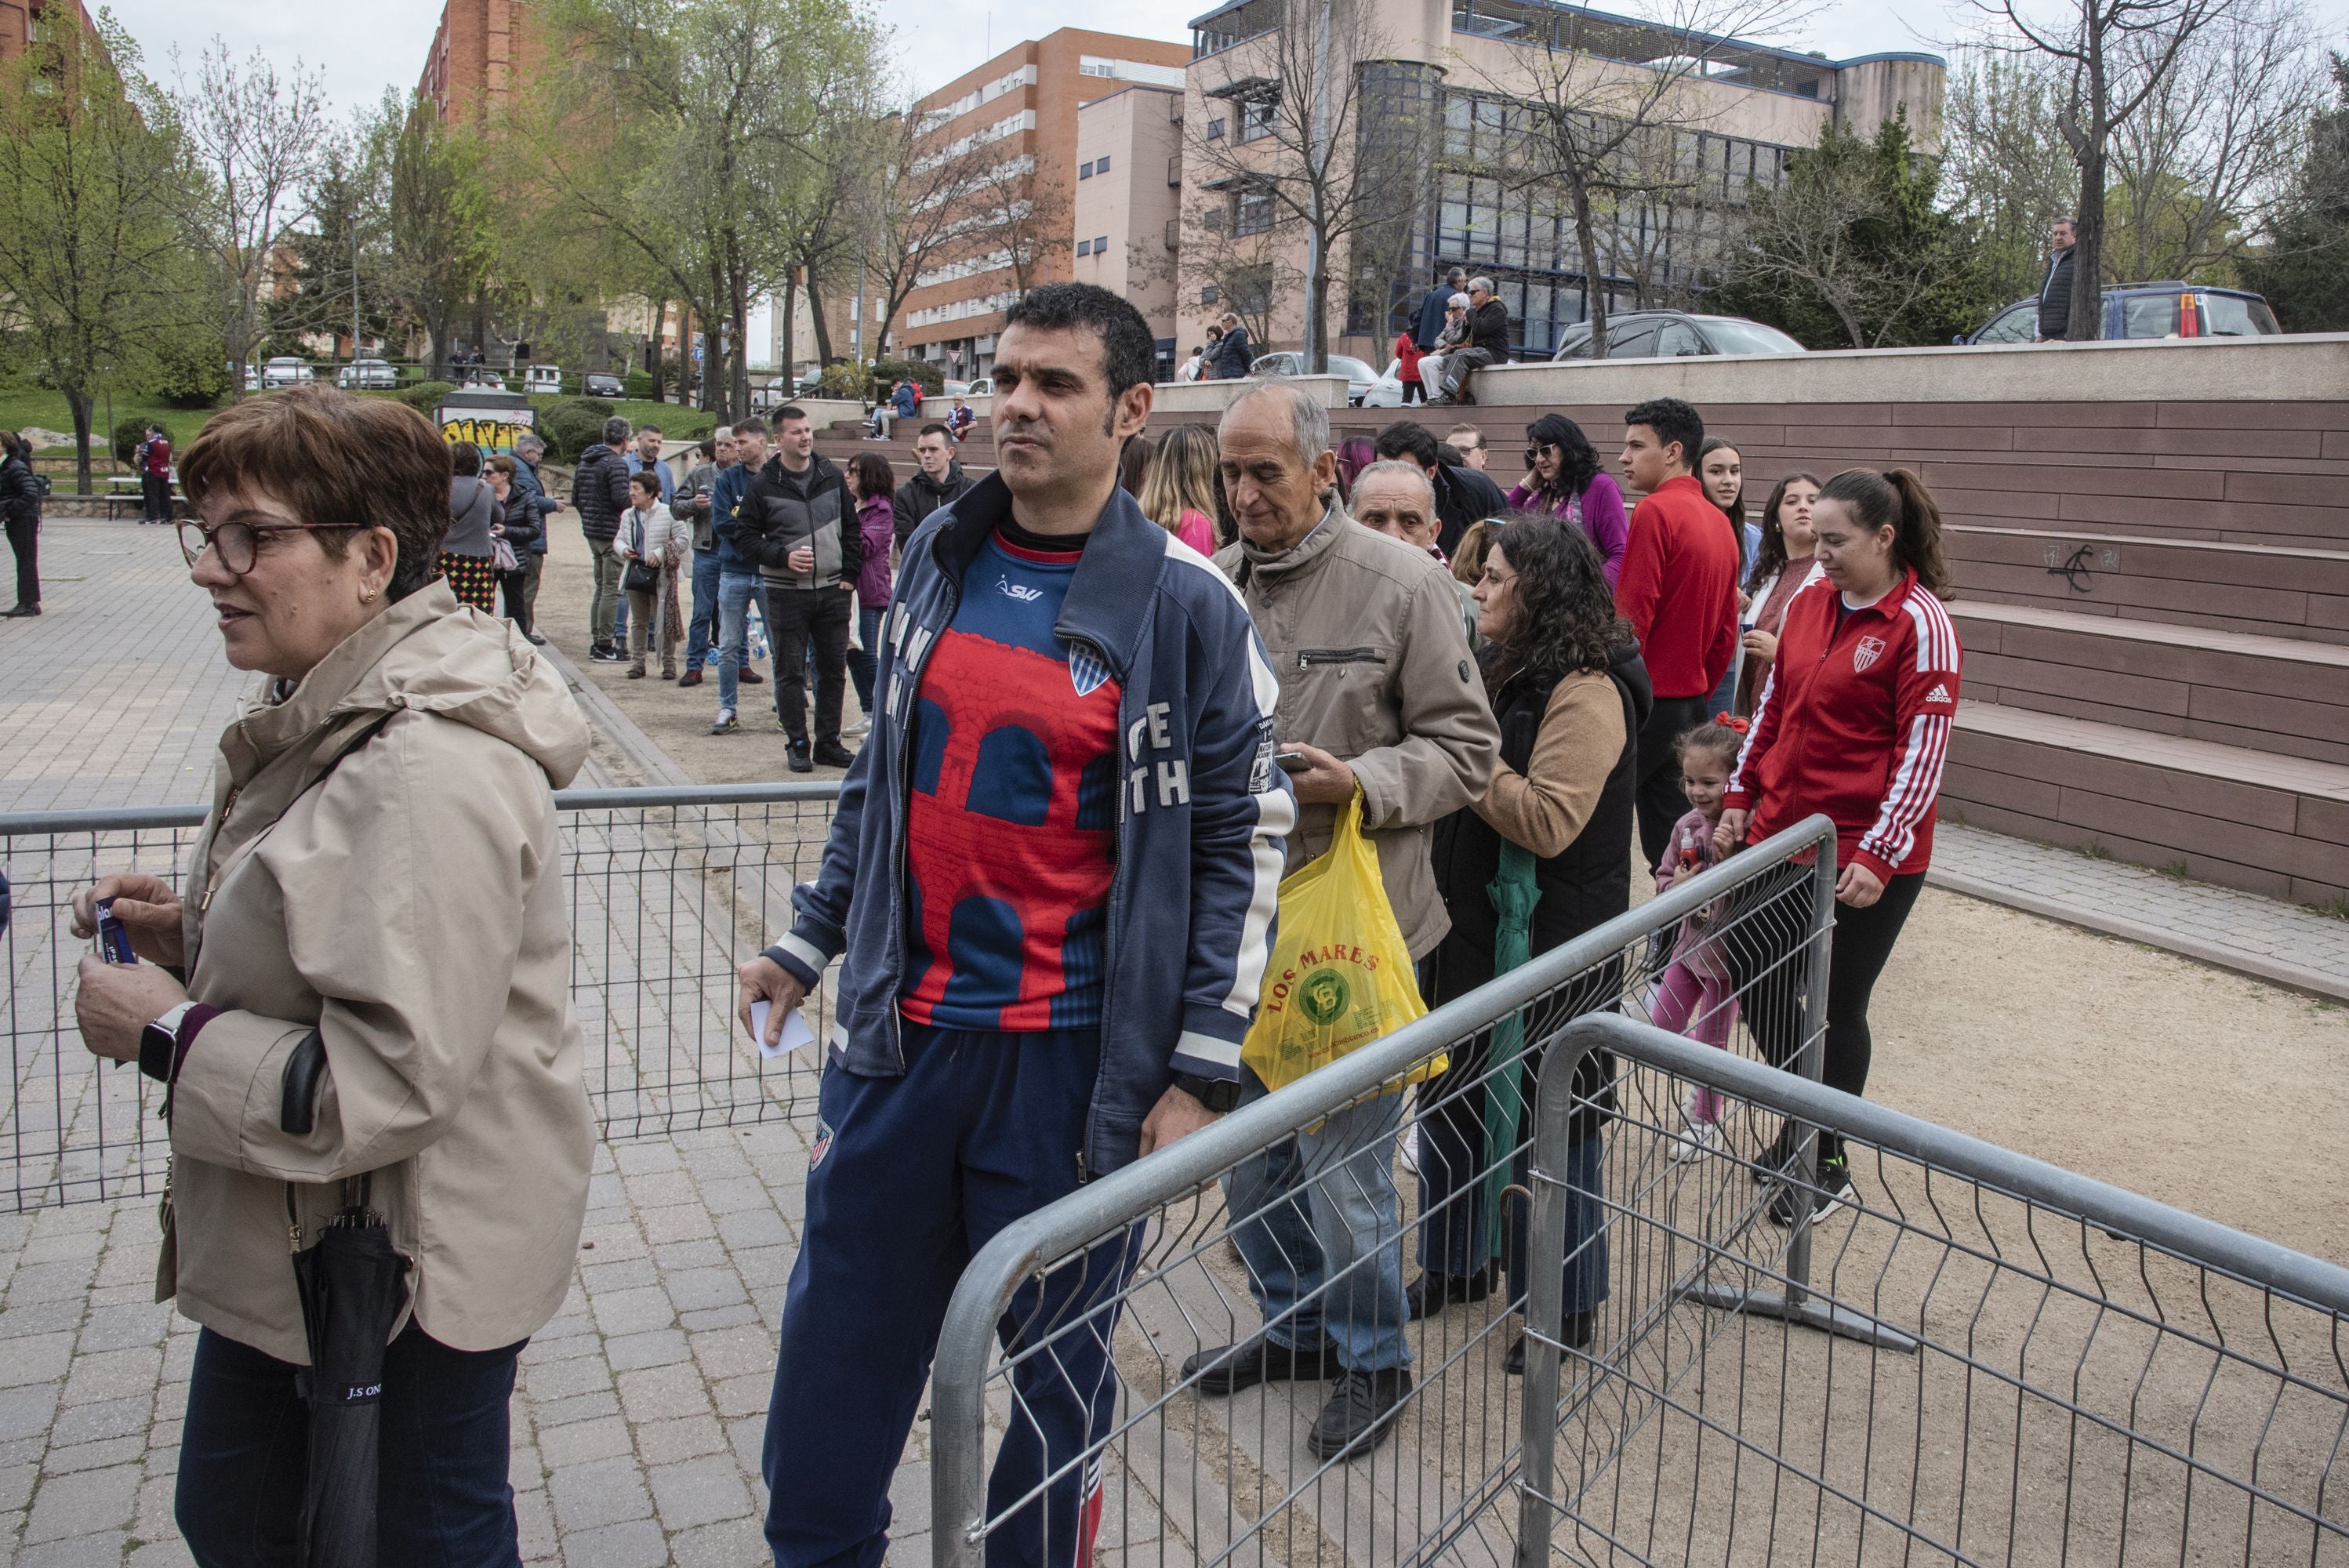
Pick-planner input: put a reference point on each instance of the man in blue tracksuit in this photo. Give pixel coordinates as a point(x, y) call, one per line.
point(738, 574)
point(1052, 878)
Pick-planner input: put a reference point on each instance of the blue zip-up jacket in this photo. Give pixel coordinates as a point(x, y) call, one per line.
point(1203, 817)
point(733, 483)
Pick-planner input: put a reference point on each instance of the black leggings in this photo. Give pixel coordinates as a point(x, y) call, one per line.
point(1762, 947)
point(24, 541)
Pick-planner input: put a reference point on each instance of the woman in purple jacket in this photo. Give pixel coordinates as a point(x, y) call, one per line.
point(1564, 481)
point(872, 482)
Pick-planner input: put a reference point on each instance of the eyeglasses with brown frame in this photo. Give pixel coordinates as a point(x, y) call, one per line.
point(237, 542)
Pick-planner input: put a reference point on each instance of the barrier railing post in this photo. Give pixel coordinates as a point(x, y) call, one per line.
point(1545, 1300)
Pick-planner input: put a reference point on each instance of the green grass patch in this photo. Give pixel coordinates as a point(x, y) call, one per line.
point(24, 405)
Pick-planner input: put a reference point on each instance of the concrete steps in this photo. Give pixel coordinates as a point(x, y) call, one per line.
point(2277, 592)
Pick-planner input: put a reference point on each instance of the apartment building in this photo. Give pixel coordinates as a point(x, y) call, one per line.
point(24, 22)
point(1024, 105)
point(480, 52)
point(1454, 75)
point(1128, 182)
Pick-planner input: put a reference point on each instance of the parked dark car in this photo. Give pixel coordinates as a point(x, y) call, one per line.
point(1669, 333)
point(602, 384)
point(2149, 310)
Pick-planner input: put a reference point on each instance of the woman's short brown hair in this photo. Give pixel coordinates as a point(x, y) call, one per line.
point(332, 458)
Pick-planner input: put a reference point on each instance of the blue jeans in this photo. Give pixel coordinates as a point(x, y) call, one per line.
point(861, 664)
point(699, 630)
point(736, 589)
point(442, 1499)
point(911, 1177)
point(1326, 1264)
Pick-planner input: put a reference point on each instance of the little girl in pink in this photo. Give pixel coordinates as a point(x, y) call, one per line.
point(1694, 997)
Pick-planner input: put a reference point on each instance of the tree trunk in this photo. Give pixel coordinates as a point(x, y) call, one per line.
point(816, 315)
point(2087, 318)
point(1317, 320)
point(79, 402)
point(1594, 287)
point(738, 396)
point(791, 348)
point(660, 378)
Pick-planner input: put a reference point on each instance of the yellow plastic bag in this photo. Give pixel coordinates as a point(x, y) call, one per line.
point(1340, 975)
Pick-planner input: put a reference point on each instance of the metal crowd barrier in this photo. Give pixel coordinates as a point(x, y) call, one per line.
point(670, 890)
point(1080, 1319)
point(2019, 1365)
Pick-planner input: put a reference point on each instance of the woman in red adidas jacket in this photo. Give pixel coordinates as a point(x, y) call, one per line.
point(1853, 723)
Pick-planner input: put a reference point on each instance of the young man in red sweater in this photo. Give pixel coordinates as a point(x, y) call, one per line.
point(1679, 591)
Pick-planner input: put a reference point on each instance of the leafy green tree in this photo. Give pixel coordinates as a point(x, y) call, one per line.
point(437, 212)
point(1854, 249)
point(2305, 270)
point(340, 269)
point(92, 259)
point(190, 367)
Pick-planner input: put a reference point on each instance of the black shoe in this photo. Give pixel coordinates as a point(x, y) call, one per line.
point(1422, 1297)
point(533, 639)
point(795, 758)
point(606, 653)
point(1775, 1159)
point(1228, 1368)
point(1359, 1414)
point(750, 677)
point(20, 610)
point(833, 753)
point(1578, 1330)
point(1832, 1187)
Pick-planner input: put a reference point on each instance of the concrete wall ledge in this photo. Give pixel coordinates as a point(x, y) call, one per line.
point(2302, 366)
point(1215, 396)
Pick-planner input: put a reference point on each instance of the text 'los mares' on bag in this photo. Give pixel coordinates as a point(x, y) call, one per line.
point(1340, 974)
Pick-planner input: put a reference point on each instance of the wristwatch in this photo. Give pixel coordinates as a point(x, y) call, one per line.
point(1218, 1095)
point(158, 1044)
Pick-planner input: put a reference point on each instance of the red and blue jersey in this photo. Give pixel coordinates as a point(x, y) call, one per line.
point(1013, 813)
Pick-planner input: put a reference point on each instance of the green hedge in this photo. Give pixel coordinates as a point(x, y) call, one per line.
point(425, 396)
point(572, 424)
point(127, 434)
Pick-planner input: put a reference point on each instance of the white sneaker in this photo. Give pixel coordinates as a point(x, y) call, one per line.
point(1411, 1148)
point(862, 727)
point(1698, 1139)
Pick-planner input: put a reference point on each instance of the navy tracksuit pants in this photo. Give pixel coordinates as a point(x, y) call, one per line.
point(912, 1176)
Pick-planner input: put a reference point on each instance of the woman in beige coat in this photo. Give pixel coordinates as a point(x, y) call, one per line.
point(380, 872)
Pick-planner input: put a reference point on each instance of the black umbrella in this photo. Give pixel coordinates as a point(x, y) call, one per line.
point(352, 1284)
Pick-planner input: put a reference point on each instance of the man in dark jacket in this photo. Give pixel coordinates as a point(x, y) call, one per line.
point(529, 452)
point(985, 1059)
point(1462, 495)
point(1234, 353)
point(938, 481)
point(2055, 289)
point(796, 523)
point(599, 489)
point(1429, 326)
point(1488, 339)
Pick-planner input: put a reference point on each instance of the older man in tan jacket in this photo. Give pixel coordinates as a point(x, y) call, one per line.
point(1378, 693)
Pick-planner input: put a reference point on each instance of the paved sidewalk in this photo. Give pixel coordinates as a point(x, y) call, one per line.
point(2265, 938)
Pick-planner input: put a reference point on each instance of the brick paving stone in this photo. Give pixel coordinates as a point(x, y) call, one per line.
point(602, 1492)
point(565, 1447)
point(698, 1491)
point(71, 1505)
point(637, 1544)
point(656, 1347)
point(687, 1437)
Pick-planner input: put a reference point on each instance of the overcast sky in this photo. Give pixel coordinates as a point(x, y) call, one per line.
point(363, 53)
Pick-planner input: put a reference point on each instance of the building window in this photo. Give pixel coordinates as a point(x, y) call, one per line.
point(1085, 171)
point(1208, 295)
point(1101, 245)
point(1256, 117)
point(1084, 247)
point(1252, 214)
point(1215, 131)
point(1102, 164)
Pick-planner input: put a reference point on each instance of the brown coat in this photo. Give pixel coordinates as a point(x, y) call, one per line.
point(1365, 639)
point(410, 908)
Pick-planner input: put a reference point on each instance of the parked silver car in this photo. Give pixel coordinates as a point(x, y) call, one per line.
point(367, 375)
point(1359, 377)
point(287, 371)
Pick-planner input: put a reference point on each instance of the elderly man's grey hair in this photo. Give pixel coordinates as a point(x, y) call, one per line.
point(1306, 415)
point(1395, 468)
point(616, 429)
point(1454, 275)
point(1457, 301)
point(1480, 285)
point(532, 442)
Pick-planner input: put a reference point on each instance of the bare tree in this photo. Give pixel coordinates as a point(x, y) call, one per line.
point(439, 216)
point(2004, 165)
point(2113, 56)
point(2205, 160)
point(252, 139)
point(1292, 118)
point(1019, 217)
point(915, 196)
point(1577, 113)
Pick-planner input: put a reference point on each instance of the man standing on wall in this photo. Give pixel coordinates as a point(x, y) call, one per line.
point(2055, 289)
point(1072, 758)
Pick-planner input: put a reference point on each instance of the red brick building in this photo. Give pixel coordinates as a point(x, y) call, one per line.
point(21, 21)
point(477, 56)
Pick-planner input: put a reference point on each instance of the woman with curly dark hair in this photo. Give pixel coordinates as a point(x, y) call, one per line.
point(1565, 681)
point(1562, 479)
